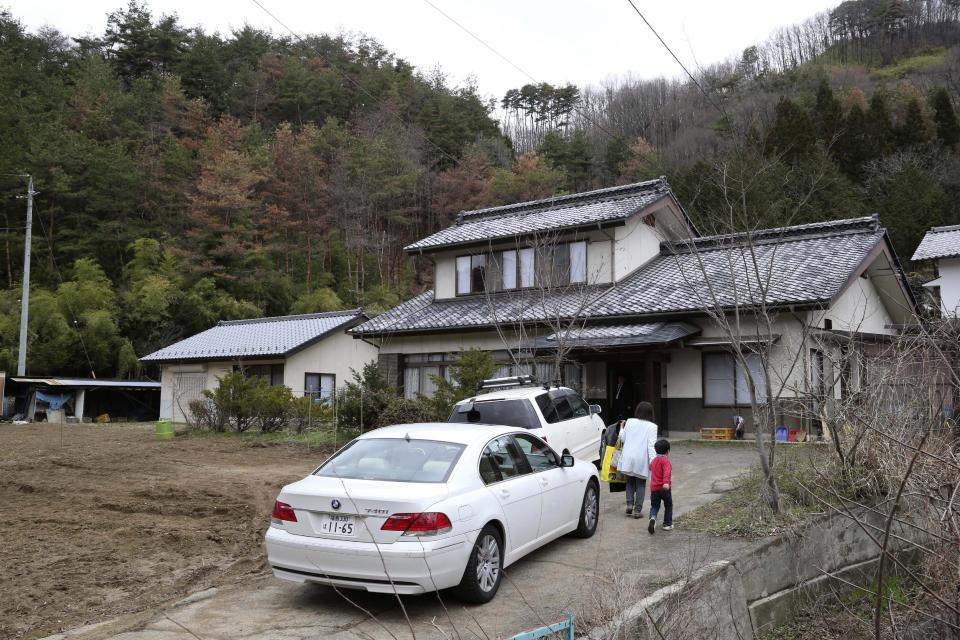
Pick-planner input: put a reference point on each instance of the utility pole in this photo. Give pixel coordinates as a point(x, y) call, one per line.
point(25, 297)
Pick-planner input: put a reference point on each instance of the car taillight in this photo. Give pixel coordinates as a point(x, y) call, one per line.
point(418, 524)
point(282, 512)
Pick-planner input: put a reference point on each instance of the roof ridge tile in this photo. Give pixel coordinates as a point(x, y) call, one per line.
point(569, 199)
point(301, 316)
point(807, 231)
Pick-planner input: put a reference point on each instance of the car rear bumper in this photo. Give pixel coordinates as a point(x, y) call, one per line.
point(404, 567)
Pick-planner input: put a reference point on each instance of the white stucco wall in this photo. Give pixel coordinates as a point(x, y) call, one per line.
point(636, 244)
point(337, 354)
point(684, 374)
point(949, 270)
point(858, 309)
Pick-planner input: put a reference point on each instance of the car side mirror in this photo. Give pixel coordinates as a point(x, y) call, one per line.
point(595, 409)
point(566, 460)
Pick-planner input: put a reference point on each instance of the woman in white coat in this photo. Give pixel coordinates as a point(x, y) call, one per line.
point(637, 438)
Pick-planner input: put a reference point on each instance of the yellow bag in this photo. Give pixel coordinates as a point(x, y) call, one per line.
point(608, 472)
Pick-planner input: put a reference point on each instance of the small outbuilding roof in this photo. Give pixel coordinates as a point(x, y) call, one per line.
point(87, 383)
point(277, 337)
point(562, 213)
point(939, 242)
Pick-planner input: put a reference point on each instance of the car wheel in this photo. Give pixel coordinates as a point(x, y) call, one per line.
point(484, 571)
point(589, 511)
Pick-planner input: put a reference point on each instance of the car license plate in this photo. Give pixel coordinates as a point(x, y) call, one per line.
point(337, 525)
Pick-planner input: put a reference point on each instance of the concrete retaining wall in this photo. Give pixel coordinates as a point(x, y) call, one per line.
point(734, 599)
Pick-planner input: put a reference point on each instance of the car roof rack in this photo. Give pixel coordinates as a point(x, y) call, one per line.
point(509, 381)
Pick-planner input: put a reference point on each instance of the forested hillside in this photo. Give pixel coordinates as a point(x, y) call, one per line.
point(186, 177)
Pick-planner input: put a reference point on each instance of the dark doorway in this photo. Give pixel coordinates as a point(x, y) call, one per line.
point(644, 380)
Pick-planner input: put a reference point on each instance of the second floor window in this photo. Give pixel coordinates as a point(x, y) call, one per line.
point(524, 268)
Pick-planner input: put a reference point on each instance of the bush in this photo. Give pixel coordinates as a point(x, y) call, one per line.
point(207, 415)
point(361, 401)
point(472, 368)
point(306, 413)
point(400, 410)
point(271, 406)
point(236, 398)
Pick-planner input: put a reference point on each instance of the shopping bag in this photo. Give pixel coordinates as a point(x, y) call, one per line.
point(608, 472)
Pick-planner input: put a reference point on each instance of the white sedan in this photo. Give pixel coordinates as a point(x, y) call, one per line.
point(416, 508)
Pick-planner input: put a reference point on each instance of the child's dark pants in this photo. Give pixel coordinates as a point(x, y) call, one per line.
point(655, 498)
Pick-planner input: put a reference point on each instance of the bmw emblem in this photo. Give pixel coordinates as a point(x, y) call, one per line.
point(335, 504)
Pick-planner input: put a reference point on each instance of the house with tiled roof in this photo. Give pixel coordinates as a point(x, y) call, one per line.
point(311, 354)
point(622, 284)
point(941, 245)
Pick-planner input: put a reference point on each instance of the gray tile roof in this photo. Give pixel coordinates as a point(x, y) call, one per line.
point(258, 338)
point(800, 265)
point(619, 335)
point(554, 214)
point(423, 313)
point(940, 242)
point(786, 266)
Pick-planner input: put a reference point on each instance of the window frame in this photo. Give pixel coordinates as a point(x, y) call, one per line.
point(275, 377)
point(526, 271)
point(513, 449)
point(318, 394)
point(571, 262)
point(551, 456)
point(469, 274)
point(736, 371)
point(453, 463)
point(422, 361)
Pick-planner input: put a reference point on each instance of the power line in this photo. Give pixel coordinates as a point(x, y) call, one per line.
point(478, 39)
point(682, 66)
point(356, 84)
point(580, 112)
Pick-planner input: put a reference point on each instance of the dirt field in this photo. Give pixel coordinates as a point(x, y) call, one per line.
point(110, 521)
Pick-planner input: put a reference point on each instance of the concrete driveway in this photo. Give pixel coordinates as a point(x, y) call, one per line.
point(591, 578)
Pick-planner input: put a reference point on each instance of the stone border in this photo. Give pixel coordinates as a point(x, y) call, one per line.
point(763, 588)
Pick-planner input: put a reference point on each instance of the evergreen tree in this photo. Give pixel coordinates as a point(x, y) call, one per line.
point(792, 134)
point(554, 150)
point(827, 113)
point(912, 131)
point(616, 153)
point(579, 162)
point(879, 130)
point(852, 149)
point(945, 118)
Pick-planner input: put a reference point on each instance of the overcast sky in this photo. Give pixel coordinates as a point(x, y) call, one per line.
point(555, 41)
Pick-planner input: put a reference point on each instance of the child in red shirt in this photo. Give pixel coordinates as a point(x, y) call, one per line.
point(660, 483)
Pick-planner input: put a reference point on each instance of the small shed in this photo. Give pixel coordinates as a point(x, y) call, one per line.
point(77, 399)
point(312, 354)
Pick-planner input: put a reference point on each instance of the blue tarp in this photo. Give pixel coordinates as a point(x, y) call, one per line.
point(54, 400)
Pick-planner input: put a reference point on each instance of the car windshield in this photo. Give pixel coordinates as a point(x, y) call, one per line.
point(394, 460)
point(512, 413)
